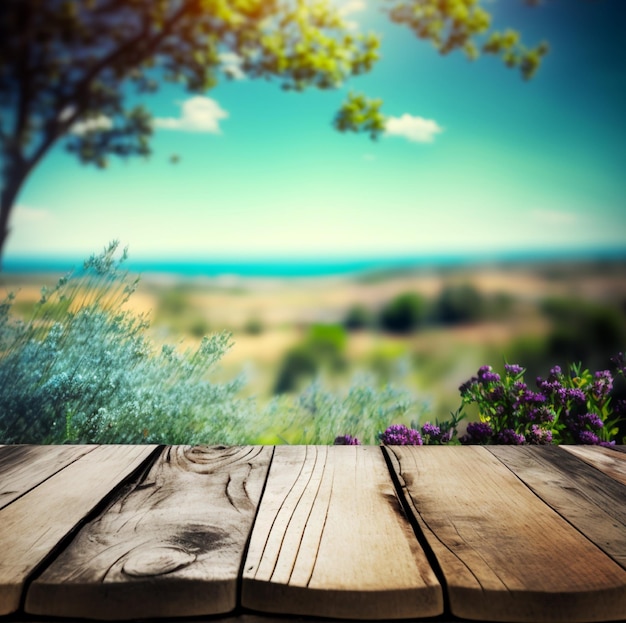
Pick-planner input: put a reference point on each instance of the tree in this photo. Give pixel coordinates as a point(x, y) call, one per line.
point(458, 304)
point(66, 65)
point(404, 313)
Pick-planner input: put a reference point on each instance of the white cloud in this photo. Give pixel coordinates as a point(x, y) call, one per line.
point(101, 122)
point(414, 129)
point(554, 217)
point(352, 6)
point(24, 215)
point(199, 114)
point(231, 64)
point(349, 8)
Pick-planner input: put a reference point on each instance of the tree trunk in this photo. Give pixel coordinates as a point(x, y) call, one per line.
point(13, 184)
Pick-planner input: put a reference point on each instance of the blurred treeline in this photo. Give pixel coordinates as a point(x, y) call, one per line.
point(430, 338)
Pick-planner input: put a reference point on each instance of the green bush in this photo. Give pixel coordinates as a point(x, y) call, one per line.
point(298, 364)
point(254, 326)
point(92, 375)
point(324, 347)
point(459, 304)
point(584, 331)
point(358, 317)
point(318, 416)
point(404, 314)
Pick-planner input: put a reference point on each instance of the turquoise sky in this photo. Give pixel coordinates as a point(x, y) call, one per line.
point(493, 164)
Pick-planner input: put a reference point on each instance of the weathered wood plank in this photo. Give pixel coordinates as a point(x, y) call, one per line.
point(590, 500)
point(23, 467)
point(33, 525)
point(331, 539)
point(169, 545)
point(612, 463)
point(505, 555)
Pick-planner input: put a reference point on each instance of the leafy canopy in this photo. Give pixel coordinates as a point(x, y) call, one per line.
point(67, 62)
point(66, 66)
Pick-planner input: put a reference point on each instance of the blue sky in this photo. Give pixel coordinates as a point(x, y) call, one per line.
point(476, 159)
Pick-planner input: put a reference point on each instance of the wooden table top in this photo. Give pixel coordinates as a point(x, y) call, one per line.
point(259, 533)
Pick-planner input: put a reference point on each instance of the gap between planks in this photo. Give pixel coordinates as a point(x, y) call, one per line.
point(505, 554)
point(33, 525)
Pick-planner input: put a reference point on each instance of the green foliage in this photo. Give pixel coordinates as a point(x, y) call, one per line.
point(328, 342)
point(361, 114)
point(584, 331)
point(404, 313)
point(173, 302)
point(572, 407)
point(298, 364)
point(323, 347)
point(459, 304)
point(92, 375)
point(254, 326)
point(358, 317)
point(67, 67)
point(317, 415)
point(198, 327)
point(461, 25)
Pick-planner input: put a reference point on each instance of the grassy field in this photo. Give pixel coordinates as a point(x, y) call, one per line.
point(269, 318)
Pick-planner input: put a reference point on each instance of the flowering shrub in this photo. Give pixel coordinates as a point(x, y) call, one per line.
point(346, 440)
point(316, 414)
point(430, 434)
point(83, 370)
point(569, 408)
point(401, 435)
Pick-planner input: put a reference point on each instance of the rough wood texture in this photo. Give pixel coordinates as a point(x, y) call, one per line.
point(170, 545)
point(33, 525)
point(591, 501)
point(506, 556)
point(331, 539)
point(24, 467)
point(606, 460)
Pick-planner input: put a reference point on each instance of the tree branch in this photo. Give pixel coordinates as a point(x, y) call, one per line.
point(79, 98)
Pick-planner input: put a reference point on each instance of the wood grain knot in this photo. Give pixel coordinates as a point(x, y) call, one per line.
point(157, 560)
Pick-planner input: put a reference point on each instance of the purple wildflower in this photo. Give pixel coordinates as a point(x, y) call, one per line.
point(587, 437)
point(538, 435)
point(486, 375)
point(477, 433)
point(591, 420)
point(431, 430)
point(446, 437)
point(346, 440)
point(603, 384)
point(468, 385)
point(513, 369)
point(510, 437)
point(400, 435)
point(577, 395)
point(520, 386)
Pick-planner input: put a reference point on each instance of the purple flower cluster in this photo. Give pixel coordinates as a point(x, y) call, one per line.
point(400, 435)
point(538, 435)
point(477, 433)
point(434, 434)
point(580, 400)
point(346, 440)
point(510, 412)
point(510, 438)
